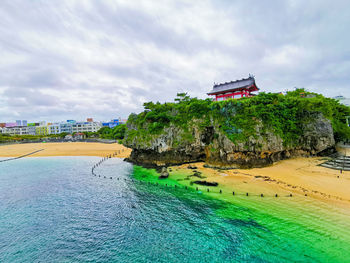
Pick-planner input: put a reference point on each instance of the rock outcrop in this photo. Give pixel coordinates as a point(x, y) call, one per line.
point(211, 145)
point(164, 173)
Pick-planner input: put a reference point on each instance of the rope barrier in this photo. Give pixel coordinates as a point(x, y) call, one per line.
point(197, 189)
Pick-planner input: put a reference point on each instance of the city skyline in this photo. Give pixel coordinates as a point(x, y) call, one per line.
point(69, 59)
point(59, 121)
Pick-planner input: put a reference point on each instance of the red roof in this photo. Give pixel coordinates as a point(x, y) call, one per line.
point(243, 84)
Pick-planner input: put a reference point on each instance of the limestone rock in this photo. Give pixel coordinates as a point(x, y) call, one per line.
point(177, 146)
point(164, 173)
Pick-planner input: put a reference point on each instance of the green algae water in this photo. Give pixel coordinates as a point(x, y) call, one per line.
point(53, 210)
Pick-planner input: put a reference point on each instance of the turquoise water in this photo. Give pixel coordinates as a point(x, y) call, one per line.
point(53, 210)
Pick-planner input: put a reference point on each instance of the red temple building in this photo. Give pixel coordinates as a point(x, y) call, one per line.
point(234, 89)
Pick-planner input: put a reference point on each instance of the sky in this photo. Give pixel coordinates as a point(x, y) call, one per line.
point(71, 59)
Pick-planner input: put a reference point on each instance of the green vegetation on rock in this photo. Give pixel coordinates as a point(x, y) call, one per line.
point(240, 120)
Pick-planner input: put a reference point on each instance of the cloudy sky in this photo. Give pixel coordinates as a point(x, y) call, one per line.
point(75, 59)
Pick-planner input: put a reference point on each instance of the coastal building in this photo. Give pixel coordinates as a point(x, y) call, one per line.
point(86, 127)
point(31, 130)
point(20, 123)
point(234, 89)
point(15, 130)
point(111, 124)
point(10, 124)
point(79, 136)
point(66, 127)
point(54, 128)
point(41, 130)
point(44, 128)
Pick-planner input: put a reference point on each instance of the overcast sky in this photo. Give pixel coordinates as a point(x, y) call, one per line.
point(75, 59)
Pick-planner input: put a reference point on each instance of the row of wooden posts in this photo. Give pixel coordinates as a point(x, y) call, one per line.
point(116, 153)
point(166, 185)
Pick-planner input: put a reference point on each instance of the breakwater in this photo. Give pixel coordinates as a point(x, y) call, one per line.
point(22, 156)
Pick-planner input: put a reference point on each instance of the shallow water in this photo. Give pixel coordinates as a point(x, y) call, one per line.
point(53, 210)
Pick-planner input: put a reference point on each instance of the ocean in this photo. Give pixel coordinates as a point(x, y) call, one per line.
point(52, 209)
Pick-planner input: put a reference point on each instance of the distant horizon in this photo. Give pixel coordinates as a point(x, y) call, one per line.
point(58, 121)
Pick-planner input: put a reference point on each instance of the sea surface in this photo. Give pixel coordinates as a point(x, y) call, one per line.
point(52, 209)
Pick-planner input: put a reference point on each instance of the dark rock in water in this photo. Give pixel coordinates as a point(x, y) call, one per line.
point(198, 174)
point(191, 167)
point(164, 173)
point(206, 183)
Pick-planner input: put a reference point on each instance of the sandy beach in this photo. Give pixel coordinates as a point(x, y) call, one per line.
point(64, 149)
point(300, 176)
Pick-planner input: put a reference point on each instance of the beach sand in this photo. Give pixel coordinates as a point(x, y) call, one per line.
point(64, 149)
point(300, 176)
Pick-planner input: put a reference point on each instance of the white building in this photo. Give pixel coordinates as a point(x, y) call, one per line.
point(66, 127)
point(15, 130)
point(54, 128)
point(31, 130)
point(86, 126)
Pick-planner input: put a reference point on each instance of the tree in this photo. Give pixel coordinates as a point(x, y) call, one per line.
point(180, 97)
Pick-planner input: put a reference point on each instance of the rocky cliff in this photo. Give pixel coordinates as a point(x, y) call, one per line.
point(211, 145)
point(249, 132)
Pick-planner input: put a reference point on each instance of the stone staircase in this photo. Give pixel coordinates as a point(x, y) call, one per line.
point(338, 163)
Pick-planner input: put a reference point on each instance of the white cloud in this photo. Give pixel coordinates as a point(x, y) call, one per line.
point(73, 59)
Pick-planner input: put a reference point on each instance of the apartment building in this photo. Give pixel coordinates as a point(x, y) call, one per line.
point(54, 128)
point(15, 130)
point(41, 130)
point(86, 126)
point(66, 127)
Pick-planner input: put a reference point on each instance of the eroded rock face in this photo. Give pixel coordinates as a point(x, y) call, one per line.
point(214, 147)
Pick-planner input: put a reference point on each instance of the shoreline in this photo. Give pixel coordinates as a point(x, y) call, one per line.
point(301, 177)
point(64, 149)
